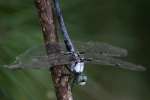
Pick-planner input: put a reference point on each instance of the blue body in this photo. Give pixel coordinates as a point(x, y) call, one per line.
point(76, 67)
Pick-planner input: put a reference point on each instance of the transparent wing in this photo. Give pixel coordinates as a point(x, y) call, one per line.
point(34, 63)
point(98, 48)
point(93, 49)
point(104, 60)
point(37, 58)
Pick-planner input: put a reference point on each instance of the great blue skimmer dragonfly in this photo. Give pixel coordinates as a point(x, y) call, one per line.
point(102, 53)
point(91, 52)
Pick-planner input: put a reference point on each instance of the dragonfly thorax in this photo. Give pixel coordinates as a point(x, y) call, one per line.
point(78, 67)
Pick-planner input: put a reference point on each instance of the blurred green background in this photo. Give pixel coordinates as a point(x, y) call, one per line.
point(123, 23)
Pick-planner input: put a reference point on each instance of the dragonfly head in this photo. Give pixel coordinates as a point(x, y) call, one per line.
point(81, 80)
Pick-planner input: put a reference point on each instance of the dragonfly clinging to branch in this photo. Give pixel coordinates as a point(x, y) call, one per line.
point(77, 66)
point(74, 58)
point(36, 58)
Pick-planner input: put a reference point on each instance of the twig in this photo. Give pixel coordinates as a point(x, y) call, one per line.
point(48, 24)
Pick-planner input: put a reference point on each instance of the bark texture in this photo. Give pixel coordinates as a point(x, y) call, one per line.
point(49, 26)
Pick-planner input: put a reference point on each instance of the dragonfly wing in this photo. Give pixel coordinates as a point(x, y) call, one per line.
point(34, 63)
point(94, 48)
point(39, 50)
point(98, 48)
point(58, 59)
point(36, 57)
point(103, 60)
point(40, 62)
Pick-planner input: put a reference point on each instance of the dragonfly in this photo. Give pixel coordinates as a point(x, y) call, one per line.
point(77, 66)
point(88, 53)
point(65, 53)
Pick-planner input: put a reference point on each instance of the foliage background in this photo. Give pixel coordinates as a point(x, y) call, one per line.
point(124, 23)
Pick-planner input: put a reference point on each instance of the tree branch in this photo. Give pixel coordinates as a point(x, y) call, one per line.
point(48, 24)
